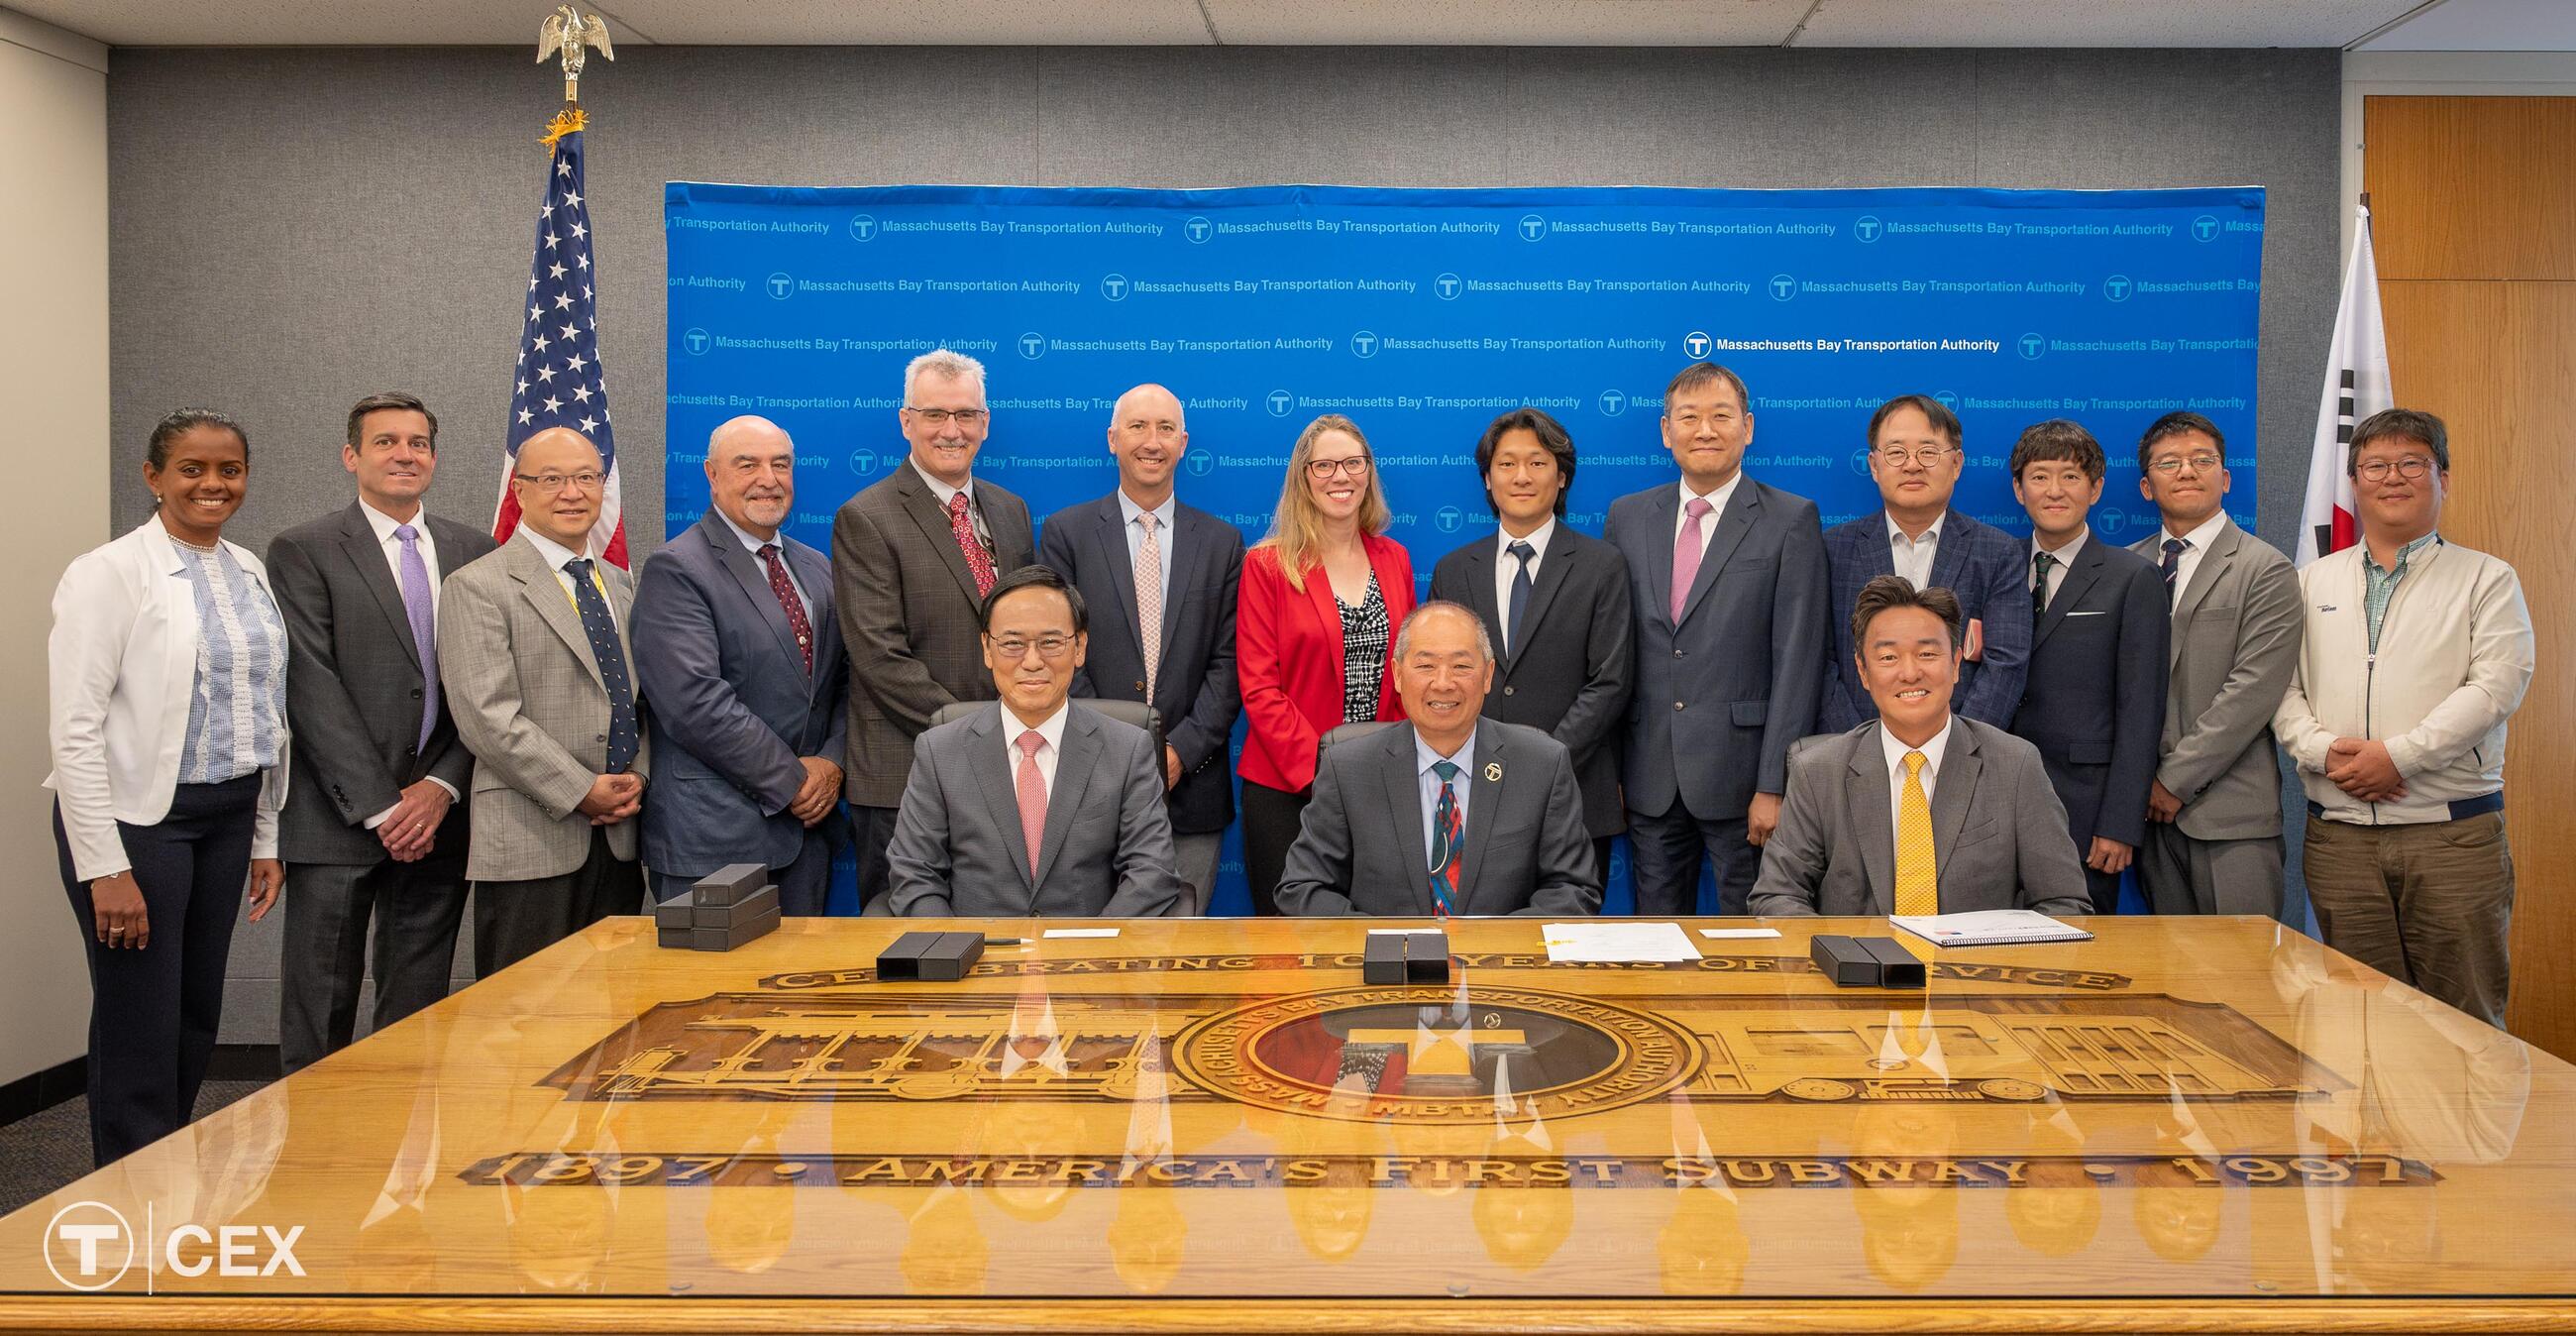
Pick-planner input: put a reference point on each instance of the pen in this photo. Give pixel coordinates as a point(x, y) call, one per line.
point(1006, 941)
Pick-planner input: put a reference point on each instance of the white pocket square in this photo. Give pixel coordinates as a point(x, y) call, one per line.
point(2096, 613)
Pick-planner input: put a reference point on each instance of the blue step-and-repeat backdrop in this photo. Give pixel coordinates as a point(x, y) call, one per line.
point(1423, 314)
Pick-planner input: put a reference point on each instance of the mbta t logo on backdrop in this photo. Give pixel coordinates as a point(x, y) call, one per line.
point(90, 1246)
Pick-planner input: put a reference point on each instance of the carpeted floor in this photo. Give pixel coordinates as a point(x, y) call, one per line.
point(48, 1150)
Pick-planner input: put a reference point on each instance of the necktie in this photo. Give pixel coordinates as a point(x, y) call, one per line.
point(1033, 798)
point(1449, 836)
point(979, 563)
point(611, 658)
point(1686, 553)
point(1918, 878)
point(2174, 548)
point(793, 606)
point(424, 632)
point(1149, 603)
point(2039, 565)
point(1520, 594)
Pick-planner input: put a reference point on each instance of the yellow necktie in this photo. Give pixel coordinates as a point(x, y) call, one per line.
point(1918, 879)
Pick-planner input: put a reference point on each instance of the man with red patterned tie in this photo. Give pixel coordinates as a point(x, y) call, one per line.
point(913, 557)
point(1444, 813)
point(739, 651)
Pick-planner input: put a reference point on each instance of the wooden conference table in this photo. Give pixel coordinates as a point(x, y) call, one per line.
point(2186, 1124)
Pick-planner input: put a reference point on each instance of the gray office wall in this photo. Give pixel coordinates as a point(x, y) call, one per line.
point(290, 229)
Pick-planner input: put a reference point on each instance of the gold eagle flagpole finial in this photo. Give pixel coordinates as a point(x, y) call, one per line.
point(568, 34)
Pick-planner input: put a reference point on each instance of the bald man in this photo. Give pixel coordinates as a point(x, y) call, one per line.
point(1159, 578)
point(533, 652)
point(739, 649)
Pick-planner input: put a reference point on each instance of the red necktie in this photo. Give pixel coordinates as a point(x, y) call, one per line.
point(978, 560)
point(794, 606)
point(1031, 788)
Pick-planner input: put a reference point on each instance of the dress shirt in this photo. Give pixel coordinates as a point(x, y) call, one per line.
point(1896, 751)
point(1162, 536)
point(2194, 544)
point(1716, 510)
point(1050, 746)
point(1912, 557)
point(556, 554)
point(1423, 759)
point(384, 525)
point(2057, 573)
point(752, 544)
point(974, 508)
point(1508, 567)
point(2379, 586)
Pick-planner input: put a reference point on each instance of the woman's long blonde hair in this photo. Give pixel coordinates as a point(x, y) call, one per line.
point(1297, 530)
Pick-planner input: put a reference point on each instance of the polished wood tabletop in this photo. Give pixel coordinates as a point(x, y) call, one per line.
point(1216, 1125)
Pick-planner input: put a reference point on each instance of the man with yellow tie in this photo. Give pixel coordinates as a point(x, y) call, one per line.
point(1917, 811)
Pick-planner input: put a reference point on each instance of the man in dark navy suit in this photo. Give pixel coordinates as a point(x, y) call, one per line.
point(1161, 576)
point(1915, 454)
point(739, 652)
point(1556, 604)
point(1727, 576)
point(2094, 701)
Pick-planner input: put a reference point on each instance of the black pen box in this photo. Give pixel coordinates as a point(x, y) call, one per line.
point(1382, 960)
point(729, 884)
point(1426, 957)
point(752, 906)
point(929, 957)
point(746, 928)
point(1845, 961)
point(1898, 967)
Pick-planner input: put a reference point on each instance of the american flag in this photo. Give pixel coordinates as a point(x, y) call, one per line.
point(559, 380)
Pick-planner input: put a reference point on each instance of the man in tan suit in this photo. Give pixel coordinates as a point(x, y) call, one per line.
point(912, 558)
point(532, 651)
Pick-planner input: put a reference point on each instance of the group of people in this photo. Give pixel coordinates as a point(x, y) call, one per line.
point(393, 717)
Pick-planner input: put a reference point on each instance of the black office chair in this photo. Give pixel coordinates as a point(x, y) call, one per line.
point(1341, 733)
point(1134, 713)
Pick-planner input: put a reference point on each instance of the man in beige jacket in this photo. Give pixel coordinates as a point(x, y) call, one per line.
point(2417, 652)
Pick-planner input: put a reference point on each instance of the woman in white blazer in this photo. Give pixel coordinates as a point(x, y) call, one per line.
point(168, 661)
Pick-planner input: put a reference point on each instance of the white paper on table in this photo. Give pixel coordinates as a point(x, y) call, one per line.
point(1081, 932)
point(1989, 927)
point(1617, 943)
point(1737, 933)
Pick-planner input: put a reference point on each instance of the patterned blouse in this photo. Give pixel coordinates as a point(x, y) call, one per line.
point(238, 704)
point(1364, 637)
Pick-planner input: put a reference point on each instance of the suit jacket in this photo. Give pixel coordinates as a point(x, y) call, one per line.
point(531, 706)
point(354, 688)
point(1364, 849)
point(2094, 702)
point(1720, 696)
point(1106, 851)
point(908, 611)
point(1998, 835)
point(734, 711)
point(1569, 671)
point(1984, 566)
point(1288, 647)
point(2236, 632)
point(1194, 689)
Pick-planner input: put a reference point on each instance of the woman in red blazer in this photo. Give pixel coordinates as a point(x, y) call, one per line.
point(1315, 627)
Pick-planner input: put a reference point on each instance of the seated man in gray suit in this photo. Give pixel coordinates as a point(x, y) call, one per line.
point(1029, 806)
point(1448, 813)
point(1918, 811)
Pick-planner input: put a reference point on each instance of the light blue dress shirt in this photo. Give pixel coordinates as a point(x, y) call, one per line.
point(1423, 759)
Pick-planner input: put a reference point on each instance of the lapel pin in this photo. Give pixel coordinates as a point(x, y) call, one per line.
point(1493, 772)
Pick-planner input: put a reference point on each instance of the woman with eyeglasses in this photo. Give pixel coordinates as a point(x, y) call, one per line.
point(168, 668)
point(1321, 598)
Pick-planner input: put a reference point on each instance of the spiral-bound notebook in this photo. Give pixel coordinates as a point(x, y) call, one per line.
point(1990, 927)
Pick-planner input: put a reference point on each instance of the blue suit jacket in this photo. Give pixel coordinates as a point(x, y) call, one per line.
point(1720, 697)
point(1194, 688)
point(1979, 563)
point(733, 709)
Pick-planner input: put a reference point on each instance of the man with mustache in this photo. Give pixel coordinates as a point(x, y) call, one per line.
point(739, 649)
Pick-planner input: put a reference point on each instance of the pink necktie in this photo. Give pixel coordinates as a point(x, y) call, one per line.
point(1686, 550)
point(1149, 603)
point(1033, 797)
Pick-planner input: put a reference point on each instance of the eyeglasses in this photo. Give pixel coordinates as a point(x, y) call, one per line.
point(1050, 648)
point(940, 417)
point(2410, 468)
point(587, 480)
point(2199, 464)
point(1897, 457)
point(1356, 466)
